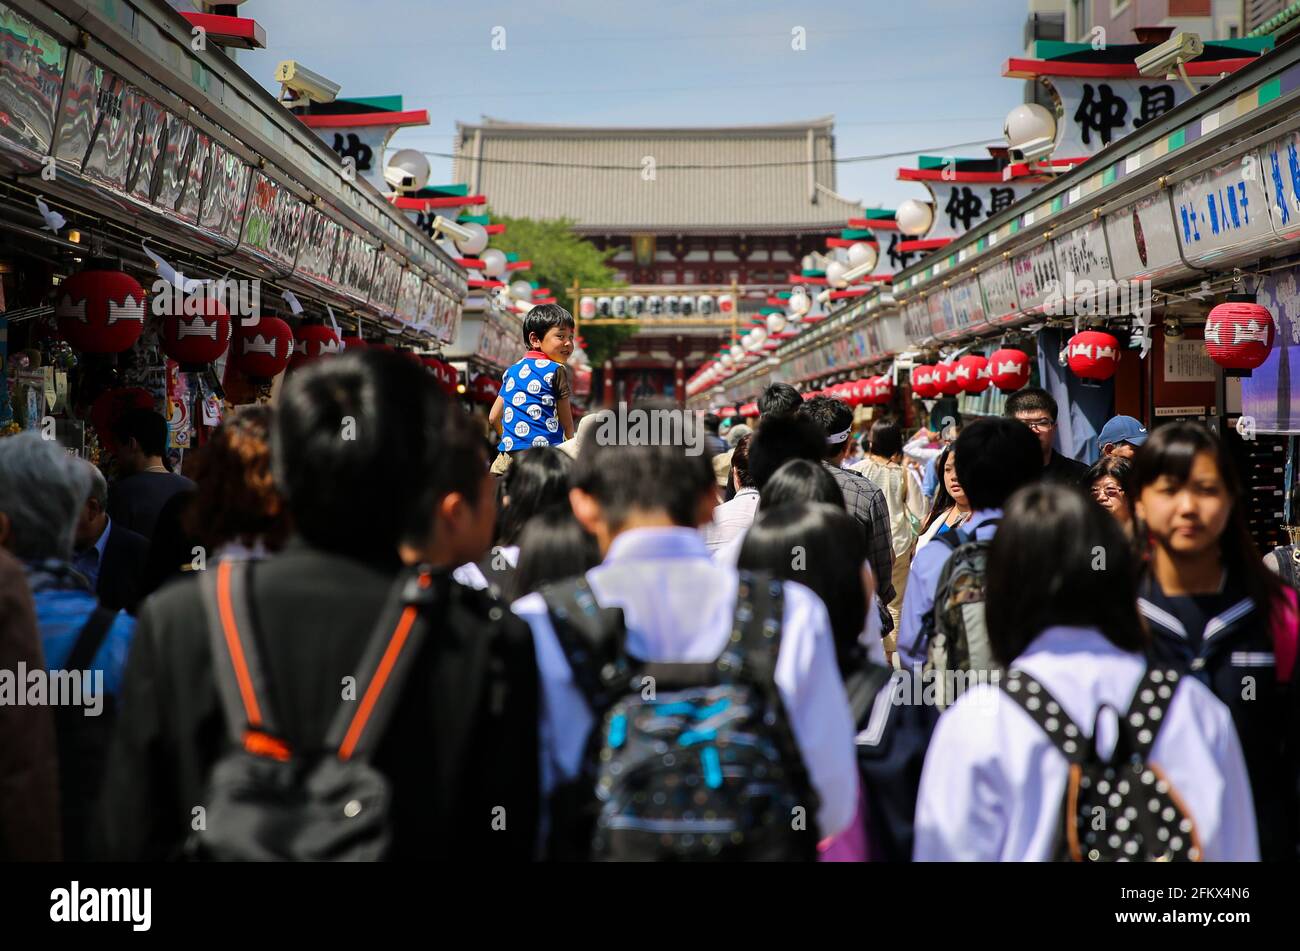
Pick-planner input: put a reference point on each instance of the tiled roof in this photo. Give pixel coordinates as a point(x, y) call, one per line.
point(776, 192)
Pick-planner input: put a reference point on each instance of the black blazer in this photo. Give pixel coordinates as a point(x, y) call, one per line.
point(462, 742)
point(121, 569)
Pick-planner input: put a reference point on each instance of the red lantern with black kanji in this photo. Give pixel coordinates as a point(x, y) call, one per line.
point(1239, 335)
point(1093, 355)
point(972, 372)
point(483, 389)
point(198, 335)
point(262, 350)
point(923, 382)
point(311, 342)
point(1009, 369)
point(100, 310)
point(946, 380)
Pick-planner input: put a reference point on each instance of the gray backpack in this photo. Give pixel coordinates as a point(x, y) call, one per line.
point(325, 803)
point(958, 651)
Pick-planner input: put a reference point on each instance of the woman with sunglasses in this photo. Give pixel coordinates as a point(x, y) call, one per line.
point(1105, 483)
point(1215, 610)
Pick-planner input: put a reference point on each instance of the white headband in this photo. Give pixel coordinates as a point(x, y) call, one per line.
point(838, 437)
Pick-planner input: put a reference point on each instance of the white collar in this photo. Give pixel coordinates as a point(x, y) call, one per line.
point(644, 543)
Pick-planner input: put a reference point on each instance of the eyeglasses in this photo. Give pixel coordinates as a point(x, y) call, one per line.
point(1102, 493)
point(1039, 425)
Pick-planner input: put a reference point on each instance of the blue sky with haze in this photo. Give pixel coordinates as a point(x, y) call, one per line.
point(910, 75)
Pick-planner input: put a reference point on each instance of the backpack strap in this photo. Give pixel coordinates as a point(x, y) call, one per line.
point(1285, 630)
point(90, 638)
point(241, 678)
point(1148, 709)
point(1047, 712)
point(594, 640)
point(393, 646)
point(755, 638)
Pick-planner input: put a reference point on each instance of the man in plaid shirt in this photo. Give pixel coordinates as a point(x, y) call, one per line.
point(862, 497)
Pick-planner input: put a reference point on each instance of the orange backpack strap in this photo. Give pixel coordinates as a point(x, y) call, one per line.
point(236, 664)
point(393, 646)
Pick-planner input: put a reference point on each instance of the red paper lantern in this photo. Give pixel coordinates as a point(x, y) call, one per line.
point(946, 380)
point(727, 411)
point(445, 374)
point(484, 389)
point(972, 372)
point(311, 342)
point(200, 334)
point(355, 343)
point(262, 350)
point(109, 407)
point(923, 382)
point(858, 392)
point(100, 310)
point(749, 411)
point(1093, 355)
point(882, 388)
point(1009, 369)
point(1239, 336)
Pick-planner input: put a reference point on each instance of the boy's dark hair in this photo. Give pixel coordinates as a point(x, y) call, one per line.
point(146, 427)
point(780, 439)
point(1029, 399)
point(740, 462)
point(364, 444)
point(800, 481)
point(538, 480)
point(831, 416)
point(1042, 571)
point(542, 318)
point(885, 439)
point(711, 423)
point(994, 457)
point(656, 478)
point(779, 399)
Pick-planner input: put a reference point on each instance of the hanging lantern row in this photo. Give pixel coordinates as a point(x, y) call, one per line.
point(654, 305)
point(1008, 370)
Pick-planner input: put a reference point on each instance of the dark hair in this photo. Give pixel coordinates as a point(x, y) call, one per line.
point(653, 478)
point(145, 426)
point(800, 480)
point(538, 480)
point(1043, 570)
point(1029, 399)
point(1117, 467)
point(740, 461)
point(711, 423)
point(364, 444)
point(542, 318)
point(780, 439)
point(832, 416)
point(237, 499)
point(1170, 451)
point(943, 500)
point(552, 547)
point(995, 456)
point(885, 438)
point(834, 550)
point(779, 399)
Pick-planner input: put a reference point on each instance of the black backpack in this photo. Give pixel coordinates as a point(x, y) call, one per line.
point(83, 742)
point(1120, 809)
point(686, 762)
point(267, 802)
point(957, 638)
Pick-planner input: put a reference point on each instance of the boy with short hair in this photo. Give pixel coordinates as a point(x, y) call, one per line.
point(533, 406)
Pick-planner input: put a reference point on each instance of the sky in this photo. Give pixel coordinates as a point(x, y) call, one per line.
point(897, 75)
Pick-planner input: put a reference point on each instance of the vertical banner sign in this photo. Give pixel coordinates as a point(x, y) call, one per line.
point(1036, 274)
point(1096, 112)
point(1270, 395)
point(960, 206)
point(1280, 161)
point(1222, 211)
point(998, 284)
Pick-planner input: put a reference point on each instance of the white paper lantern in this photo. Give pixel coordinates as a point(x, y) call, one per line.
point(725, 360)
point(1028, 122)
point(586, 307)
point(620, 306)
point(407, 171)
point(914, 217)
point(862, 254)
point(800, 302)
point(737, 353)
point(604, 306)
point(725, 304)
point(524, 290)
point(704, 305)
point(775, 323)
point(835, 274)
point(755, 339)
point(477, 240)
point(494, 262)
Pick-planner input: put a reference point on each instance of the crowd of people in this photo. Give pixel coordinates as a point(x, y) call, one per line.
point(361, 631)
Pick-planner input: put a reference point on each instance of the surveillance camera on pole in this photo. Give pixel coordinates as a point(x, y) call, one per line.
point(1169, 59)
point(299, 85)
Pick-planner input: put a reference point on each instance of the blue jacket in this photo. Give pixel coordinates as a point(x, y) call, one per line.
point(64, 602)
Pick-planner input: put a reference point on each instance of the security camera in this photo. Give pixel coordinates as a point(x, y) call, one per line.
point(1170, 54)
point(1032, 150)
point(303, 85)
point(399, 179)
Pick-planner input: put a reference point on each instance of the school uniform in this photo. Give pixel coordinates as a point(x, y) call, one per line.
point(993, 783)
point(1224, 641)
point(678, 605)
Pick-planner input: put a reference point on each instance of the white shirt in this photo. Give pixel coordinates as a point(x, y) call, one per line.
point(471, 575)
point(993, 782)
point(731, 518)
point(679, 605)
